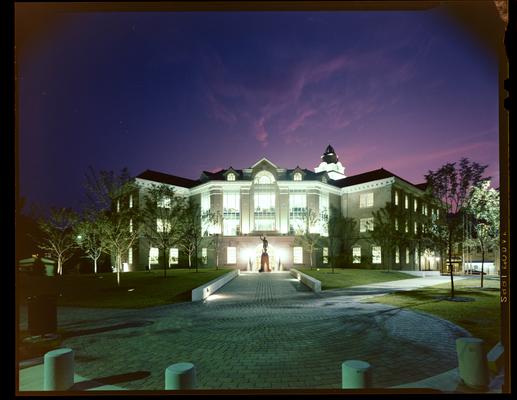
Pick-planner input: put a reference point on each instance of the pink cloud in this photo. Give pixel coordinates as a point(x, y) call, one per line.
point(300, 120)
point(260, 132)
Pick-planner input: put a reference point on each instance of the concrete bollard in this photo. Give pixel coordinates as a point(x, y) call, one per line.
point(180, 376)
point(472, 362)
point(356, 374)
point(58, 369)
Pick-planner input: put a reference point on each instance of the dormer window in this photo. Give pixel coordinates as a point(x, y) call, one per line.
point(297, 176)
point(324, 180)
point(264, 178)
point(230, 177)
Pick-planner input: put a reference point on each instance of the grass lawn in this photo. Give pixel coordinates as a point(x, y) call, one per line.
point(342, 278)
point(480, 317)
point(137, 289)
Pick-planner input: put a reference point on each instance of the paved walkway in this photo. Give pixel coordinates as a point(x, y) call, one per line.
point(261, 331)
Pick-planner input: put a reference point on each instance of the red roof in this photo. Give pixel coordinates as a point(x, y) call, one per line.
point(169, 179)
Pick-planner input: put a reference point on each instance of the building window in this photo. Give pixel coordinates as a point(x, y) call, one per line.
point(231, 213)
point(325, 255)
point(407, 255)
point(415, 205)
point(164, 202)
point(366, 224)
point(425, 209)
point(163, 225)
point(396, 224)
point(324, 214)
point(204, 255)
point(205, 210)
point(397, 256)
point(130, 201)
point(131, 225)
point(366, 200)
point(416, 256)
point(118, 205)
point(230, 177)
point(406, 201)
point(231, 255)
point(154, 255)
point(297, 212)
point(264, 209)
point(396, 198)
point(356, 255)
point(130, 256)
point(406, 227)
point(173, 256)
point(297, 255)
point(416, 228)
point(437, 213)
point(376, 254)
point(264, 178)
point(297, 176)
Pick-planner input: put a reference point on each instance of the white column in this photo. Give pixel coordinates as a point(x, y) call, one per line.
point(180, 376)
point(356, 374)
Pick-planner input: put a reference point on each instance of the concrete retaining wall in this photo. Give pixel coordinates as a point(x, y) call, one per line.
point(202, 292)
point(309, 281)
point(422, 274)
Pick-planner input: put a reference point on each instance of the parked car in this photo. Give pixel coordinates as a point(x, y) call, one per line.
point(474, 272)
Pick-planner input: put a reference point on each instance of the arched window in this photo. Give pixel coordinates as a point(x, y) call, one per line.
point(230, 177)
point(264, 178)
point(297, 176)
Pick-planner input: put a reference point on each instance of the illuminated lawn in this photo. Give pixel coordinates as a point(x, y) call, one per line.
point(342, 278)
point(149, 288)
point(480, 317)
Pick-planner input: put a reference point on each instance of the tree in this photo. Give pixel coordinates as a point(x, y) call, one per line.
point(161, 219)
point(107, 192)
point(214, 241)
point(58, 235)
point(342, 236)
point(88, 233)
point(483, 207)
point(386, 233)
point(306, 239)
point(452, 185)
point(191, 235)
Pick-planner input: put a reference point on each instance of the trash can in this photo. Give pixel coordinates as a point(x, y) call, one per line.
point(42, 314)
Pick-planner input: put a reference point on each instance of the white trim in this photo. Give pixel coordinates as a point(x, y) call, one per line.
point(368, 185)
point(263, 159)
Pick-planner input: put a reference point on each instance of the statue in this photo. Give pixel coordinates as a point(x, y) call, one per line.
point(264, 259)
point(264, 244)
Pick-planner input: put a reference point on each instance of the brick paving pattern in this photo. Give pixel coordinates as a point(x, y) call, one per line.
point(261, 331)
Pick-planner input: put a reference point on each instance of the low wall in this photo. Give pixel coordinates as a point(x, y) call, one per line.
point(202, 292)
point(422, 274)
point(309, 281)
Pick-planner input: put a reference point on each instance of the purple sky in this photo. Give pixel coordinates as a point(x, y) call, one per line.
point(186, 92)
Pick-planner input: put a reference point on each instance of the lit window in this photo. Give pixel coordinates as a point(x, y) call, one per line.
point(425, 209)
point(130, 256)
point(162, 226)
point(154, 254)
point(407, 255)
point(130, 201)
point(397, 256)
point(164, 202)
point(376, 254)
point(264, 178)
point(205, 209)
point(415, 205)
point(118, 205)
point(324, 214)
point(325, 255)
point(297, 176)
point(366, 200)
point(204, 255)
point(230, 177)
point(396, 224)
point(366, 224)
point(297, 212)
point(407, 227)
point(131, 225)
point(231, 255)
point(416, 228)
point(231, 213)
point(396, 198)
point(437, 213)
point(298, 255)
point(264, 211)
point(356, 255)
point(173, 256)
point(406, 201)
point(416, 256)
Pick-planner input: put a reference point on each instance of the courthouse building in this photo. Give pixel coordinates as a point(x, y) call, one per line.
point(268, 199)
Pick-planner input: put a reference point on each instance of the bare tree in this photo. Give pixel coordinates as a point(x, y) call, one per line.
point(214, 241)
point(452, 185)
point(58, 235)
point(161, 219)
point(191, 235)
point(305, 238)
point(342, 236)
point(89, 233)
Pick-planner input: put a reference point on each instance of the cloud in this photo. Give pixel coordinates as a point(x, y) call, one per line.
point(219, 111)
point(260, 132)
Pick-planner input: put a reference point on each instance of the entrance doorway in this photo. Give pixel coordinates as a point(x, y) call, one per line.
point(272, 258)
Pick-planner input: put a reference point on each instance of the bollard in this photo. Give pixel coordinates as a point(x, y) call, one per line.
point(58, 369)
point(180, 376)
point(472, 362)
point(356, 374)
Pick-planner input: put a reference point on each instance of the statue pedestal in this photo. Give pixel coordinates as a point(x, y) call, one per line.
point(264, 263)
